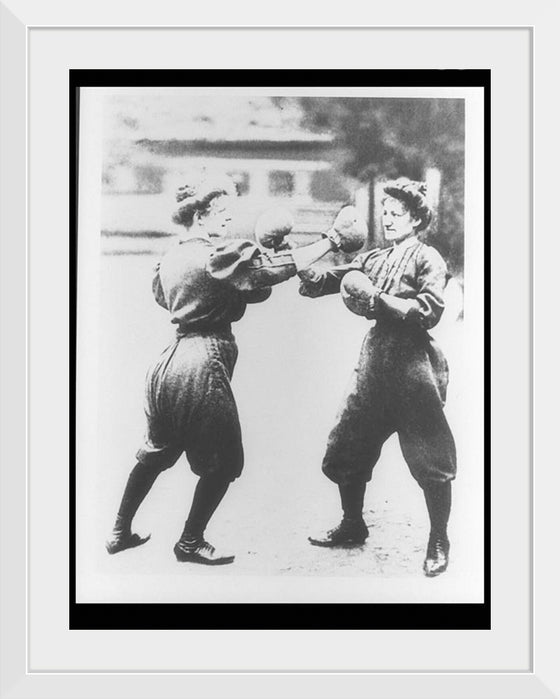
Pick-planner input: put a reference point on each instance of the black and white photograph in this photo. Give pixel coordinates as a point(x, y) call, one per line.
point(274, 397)
point(280, 348)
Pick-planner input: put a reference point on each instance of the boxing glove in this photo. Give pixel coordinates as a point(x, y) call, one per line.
point(272, 227)
point(359, 294)
point(349, 230)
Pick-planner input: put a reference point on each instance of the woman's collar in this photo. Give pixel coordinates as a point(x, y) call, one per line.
point(406, 243)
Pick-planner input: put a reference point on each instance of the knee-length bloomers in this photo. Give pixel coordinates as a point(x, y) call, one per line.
point(189, 404)
point(400, 382)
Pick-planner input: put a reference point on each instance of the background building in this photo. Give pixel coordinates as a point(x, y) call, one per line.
point(311, 155)
point(149, 150)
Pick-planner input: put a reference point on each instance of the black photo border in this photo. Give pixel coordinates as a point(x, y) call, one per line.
point(273, 616)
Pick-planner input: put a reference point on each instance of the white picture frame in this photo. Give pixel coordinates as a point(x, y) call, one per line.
point(530, 674)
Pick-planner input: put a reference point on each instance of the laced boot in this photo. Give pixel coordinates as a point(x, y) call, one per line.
point(197, 550)
point(438, 500)
point(437, 555)
point(350, 532)
point(122, 538)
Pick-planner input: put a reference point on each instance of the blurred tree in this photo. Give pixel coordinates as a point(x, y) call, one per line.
point(328, 186)
point(394, 137)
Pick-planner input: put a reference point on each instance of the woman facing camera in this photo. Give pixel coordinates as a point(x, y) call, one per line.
point(205, 283)
point(399, 384)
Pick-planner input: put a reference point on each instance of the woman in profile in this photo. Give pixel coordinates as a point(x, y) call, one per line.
point(205, 283)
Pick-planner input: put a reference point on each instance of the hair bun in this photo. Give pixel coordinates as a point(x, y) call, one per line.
point(204, 186)
point(413, 195)
point(196, 196)
point(410, 187)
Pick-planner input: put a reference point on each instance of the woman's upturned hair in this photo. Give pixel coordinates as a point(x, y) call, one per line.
point(413, 196)
point(195, 198)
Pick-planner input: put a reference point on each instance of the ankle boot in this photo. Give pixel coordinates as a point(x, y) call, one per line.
point(438, 501)
point(352, 530)
point(437, 556)
point(191, 549)
point(140, 481)
point(122, 538)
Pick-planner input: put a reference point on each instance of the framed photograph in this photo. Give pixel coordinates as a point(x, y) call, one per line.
point(282, 558)
point(151, 147)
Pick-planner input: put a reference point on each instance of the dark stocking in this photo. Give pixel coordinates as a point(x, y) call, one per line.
point(208, 494)
point(140, 481)
point(438, 500)
point(352, 499)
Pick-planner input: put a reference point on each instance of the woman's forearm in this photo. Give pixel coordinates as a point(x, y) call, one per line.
point(268, 269)
point(307, 255)
point(424, 310)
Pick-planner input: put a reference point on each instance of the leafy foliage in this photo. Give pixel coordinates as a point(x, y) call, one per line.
point(394, 137)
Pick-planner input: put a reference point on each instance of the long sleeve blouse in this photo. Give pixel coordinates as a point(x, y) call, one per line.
point(207, 287)
point(411, 278)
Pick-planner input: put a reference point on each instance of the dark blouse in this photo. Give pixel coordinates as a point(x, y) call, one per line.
point(411, 277)
point(207, 287)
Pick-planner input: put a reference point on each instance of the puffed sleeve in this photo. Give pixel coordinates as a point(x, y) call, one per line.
point(157, 288)
point(426, 308)
point(257, 295)
point(315, 284)
point(246, 267)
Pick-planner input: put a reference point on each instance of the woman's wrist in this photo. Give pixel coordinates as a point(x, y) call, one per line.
point(306, 255)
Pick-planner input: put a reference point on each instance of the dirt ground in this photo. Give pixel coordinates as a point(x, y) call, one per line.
point(296, 355)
